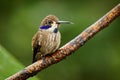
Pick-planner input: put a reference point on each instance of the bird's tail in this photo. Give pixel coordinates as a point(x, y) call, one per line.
point(37, 56)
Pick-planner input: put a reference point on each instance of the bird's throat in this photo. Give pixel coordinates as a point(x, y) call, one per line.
point(49, 28)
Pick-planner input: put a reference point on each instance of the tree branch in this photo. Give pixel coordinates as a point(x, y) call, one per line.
point(69, 48)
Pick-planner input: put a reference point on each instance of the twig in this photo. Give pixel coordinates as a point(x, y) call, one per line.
point(69, 48)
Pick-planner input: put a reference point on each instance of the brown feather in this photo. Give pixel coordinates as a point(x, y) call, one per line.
point(45, 42)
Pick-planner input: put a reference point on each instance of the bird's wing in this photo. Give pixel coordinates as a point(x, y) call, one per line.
point(36, 44)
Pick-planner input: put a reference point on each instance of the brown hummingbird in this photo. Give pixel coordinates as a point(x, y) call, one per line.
point(47, 39)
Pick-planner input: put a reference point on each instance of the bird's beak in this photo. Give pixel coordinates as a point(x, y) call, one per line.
point(64, 22)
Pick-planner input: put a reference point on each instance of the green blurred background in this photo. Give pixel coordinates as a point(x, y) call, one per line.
point(99, 59)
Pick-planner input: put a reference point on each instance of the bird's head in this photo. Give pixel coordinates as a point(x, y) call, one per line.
point(51, 23)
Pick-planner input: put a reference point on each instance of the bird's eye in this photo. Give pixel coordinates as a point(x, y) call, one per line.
point(49, 22)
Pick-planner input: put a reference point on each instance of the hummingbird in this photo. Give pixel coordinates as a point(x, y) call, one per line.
point(47, 39)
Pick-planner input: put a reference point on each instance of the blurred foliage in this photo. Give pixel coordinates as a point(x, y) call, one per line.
point(9, 65)
point(99, 59)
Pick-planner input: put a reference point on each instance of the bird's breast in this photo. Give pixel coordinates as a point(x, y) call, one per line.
point(50, 42)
